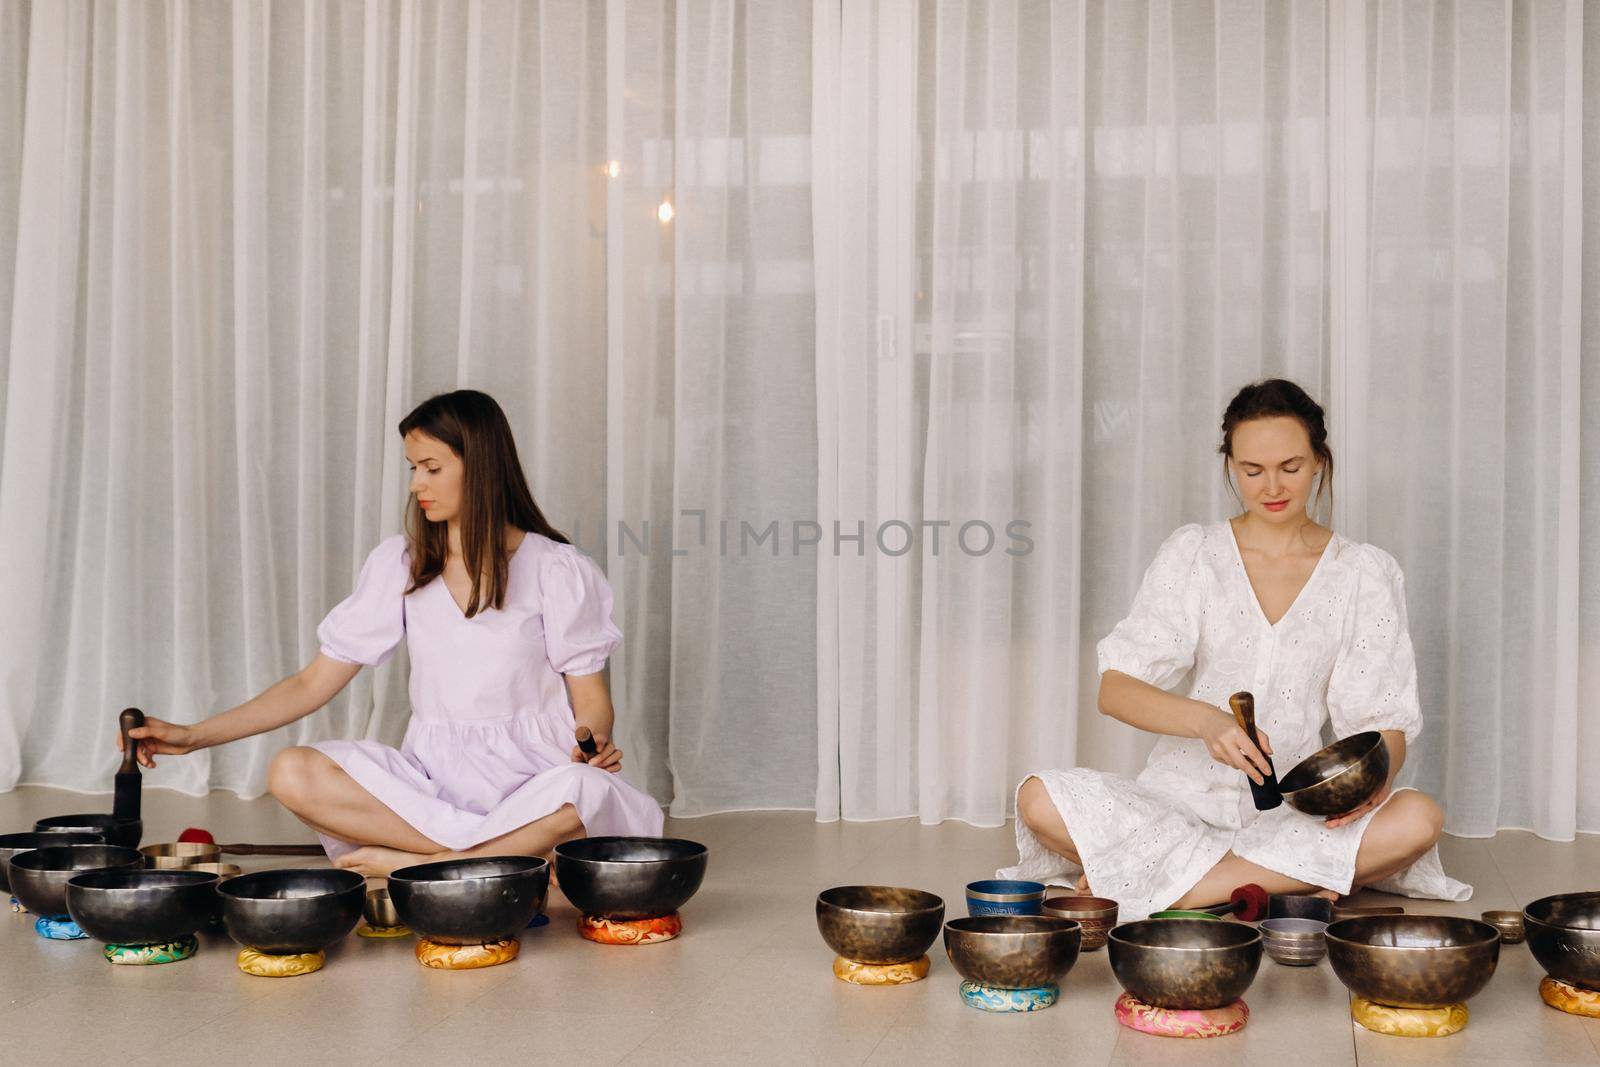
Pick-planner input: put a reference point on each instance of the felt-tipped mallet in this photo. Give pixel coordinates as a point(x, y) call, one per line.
point(195, 834)
point(586, 742)
point(125, 801)
point(1266, 795)
point(1248, 903)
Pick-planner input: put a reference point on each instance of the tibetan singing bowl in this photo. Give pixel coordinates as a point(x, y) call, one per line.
point(39, 877)
point(1012, 951)
point(180, 854)
point(1297, 906)
point(378, 909)
point(124, 832)
point(1185, 964)
point(1339, 778)
point(1097, 915)
point(879, 924)
point(11, 844)
point(1564, 935)
point(141, 907)
point(286, 912)
point(470, 902)
point(1413, 961)
point(630, 877)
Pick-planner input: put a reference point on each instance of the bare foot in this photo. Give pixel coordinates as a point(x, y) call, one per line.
point(375, 861)
point(1083, 887)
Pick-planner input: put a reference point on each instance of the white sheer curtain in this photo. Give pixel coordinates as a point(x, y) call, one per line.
point(794, 309)
point(1054, 239)
point(1481, 447)
point(244, 239)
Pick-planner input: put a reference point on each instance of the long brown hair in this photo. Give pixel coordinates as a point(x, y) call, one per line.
point(1274, 397)
point(494, 494)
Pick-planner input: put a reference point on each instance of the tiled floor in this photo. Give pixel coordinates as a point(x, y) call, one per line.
point(748, 982)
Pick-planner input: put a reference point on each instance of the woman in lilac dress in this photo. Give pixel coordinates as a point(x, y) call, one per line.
point(508, 628)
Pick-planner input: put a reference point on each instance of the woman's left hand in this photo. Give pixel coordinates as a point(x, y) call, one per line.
point(1351, 816)
point(608, 758)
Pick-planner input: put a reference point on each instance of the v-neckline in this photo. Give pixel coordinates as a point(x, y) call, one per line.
point(1244, 572)
point(461, 612)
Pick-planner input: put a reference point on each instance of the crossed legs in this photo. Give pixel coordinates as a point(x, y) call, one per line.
point(322, 795)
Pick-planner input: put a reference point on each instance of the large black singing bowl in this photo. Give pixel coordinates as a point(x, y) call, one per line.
point(1564, 936)
point(1413, 961)
point(1012, 951)
point(879, 924)
point(1185, 964)
point(39, 877)
point(141, 907)
point(11, 844)
point(1339, 778)
point(290, 911)
point(470, 902)
point(124, 832)
point(630, 877)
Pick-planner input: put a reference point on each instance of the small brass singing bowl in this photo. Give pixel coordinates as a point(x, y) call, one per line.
point(378, 909)
point(179, 854)
point(1509, 923)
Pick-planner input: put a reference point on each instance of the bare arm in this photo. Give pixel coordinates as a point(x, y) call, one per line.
point(293, 698)
point(591, 707)
point(1142, 705)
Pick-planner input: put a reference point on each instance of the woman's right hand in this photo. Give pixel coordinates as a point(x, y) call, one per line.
point(158, 737)
point(1228, 744)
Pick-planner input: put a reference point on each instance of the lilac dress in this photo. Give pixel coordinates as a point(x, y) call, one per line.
point(489, 745)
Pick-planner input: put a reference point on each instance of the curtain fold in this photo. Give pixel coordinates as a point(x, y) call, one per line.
point(872, 348)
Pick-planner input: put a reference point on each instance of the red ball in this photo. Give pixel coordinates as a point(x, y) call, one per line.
point(194, 833)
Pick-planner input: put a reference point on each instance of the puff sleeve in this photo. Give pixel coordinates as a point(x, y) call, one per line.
point(1156, 642)
point(578, 632)
point(1374, 681)
point(368, 624)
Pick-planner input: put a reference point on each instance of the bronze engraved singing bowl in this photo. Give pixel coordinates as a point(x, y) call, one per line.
point(470, 901)
point(1339, 778)
point(626, 878)
point(39, 877)
point(123, 832)
point(289, 911)
point(1012, 951)
point(1185, 964)
point(11, 844)
point(1413, 961)
point(1097, 915)
point(879, 924)
point(1300, 906)
point(1563, 934)
point(141, 907)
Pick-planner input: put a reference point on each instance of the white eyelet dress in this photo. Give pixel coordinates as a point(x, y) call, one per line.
point(1341, 652)
point(489, 745)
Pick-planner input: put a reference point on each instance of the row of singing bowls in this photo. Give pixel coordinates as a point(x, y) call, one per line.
point(123, 832)
point(877, 924)
point(1339, 778)
point(39, 877)
point(1185, 964)
point(1413, 961)
point(470, 902)
point(1563, 934)
point(11, 844)
point(628, 878)
point(1012, 951)
point(141, 907)
point(284, 912)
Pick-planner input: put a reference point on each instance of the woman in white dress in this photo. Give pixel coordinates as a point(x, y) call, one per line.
point(1314, 625)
